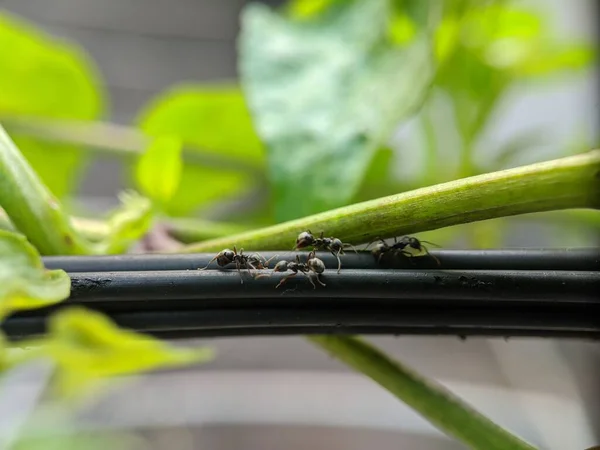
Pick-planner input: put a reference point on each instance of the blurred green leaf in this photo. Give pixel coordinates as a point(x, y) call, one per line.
point(325, 95)
point(557, 58)
point(158, 171)
point(307, 9)
point(127, 224)
point(211, 120)
point(378, 180)
point(42, 76)
point(24, 283)
point(87, 348)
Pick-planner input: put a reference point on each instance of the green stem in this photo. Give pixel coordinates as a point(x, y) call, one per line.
point(195, 230)
point(440, 407)
point(32, 208)
point(565, 183)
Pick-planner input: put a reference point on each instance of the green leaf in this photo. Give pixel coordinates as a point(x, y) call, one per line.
point(42, 76)
point(447, 412)
point(87, 348)
point(159, 169)
point(209, 119)
point(24, 283)
point(127, 224)
point(557, 58)
point(307, 9)
point(325, 95)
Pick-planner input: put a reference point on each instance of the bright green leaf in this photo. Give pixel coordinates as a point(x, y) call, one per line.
point(43, 76)
point(557, 58)
point(87, 348)
point(158, 171)
point(402, 29)
point(208, 118)
point(306, 9)
point(325, 95)
point(24, 283)
point(200, 186)
point(128, 223)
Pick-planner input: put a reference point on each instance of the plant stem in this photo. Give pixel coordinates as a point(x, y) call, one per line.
point(194, 230)
point(32, 208)
point(571, 182)
point(444, 410)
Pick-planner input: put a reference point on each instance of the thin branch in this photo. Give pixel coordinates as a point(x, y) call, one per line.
point(571, 182)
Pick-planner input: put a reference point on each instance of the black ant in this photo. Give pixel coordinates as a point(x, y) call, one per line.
point(252, 262)
point(331, 244)
point(407, 246)
point(312, 264)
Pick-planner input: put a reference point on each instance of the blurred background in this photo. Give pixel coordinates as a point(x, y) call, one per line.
point(520, 87)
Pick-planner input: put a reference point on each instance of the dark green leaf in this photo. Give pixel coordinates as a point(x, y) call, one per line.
point(46, 77)
point(159, 169)
point(325, 94)
point(24, 283)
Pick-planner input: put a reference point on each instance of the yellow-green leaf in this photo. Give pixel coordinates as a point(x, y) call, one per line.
point(127, 223)
point(158, 171)
point(24, 283)
point(87, 348)
point(42, 76)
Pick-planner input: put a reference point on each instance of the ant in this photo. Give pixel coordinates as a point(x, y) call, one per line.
point(254, 261)
point(407, 246)
point(331, 244)
point(312, 264)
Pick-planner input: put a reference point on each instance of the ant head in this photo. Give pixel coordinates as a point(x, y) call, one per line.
point(225, 257)
point(316, 265)
point(281, 266)
point(304, 239)
point(414, 243)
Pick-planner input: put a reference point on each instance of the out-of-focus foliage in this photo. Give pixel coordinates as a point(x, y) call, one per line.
point(45, 77)
point(88, 348)
point(325, 94)
point(127, 224)
point(24, 282)
point(213, 121)
point(158, 171)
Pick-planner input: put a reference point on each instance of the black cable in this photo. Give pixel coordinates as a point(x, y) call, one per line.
point(446, 285)
point(584, 259)
point(466, 321)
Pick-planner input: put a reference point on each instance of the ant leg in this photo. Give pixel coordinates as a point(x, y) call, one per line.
point(319, 280)
point(310, 279)
point(238, 266)
point(339, 260)
point(408, 255)
point(432, 256)
point(284, 279)
point(431, 243)
point(206, 267)
point(350, 245)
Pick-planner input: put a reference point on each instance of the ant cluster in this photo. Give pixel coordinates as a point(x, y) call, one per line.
point(313, 267)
